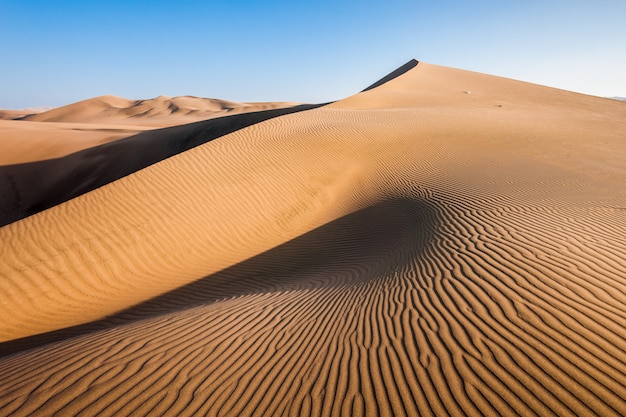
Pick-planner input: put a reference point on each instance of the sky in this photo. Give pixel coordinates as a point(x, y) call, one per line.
point(58, 52)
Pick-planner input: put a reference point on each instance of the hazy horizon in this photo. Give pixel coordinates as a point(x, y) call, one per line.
point(61, 53)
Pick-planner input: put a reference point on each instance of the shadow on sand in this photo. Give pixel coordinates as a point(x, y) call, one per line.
point(360, 247)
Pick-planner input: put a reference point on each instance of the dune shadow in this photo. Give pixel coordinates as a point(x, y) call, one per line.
point(353, 250)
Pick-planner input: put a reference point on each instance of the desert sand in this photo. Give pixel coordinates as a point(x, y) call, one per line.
point(160, 111)
point(442, 243)
point(104, 119)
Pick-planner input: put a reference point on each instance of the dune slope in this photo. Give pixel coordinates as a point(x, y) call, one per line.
point(446, 243)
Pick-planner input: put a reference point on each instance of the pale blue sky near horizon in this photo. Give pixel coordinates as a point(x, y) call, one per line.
point(59, 52)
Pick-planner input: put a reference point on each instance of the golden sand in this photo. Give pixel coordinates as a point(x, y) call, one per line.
point(448, 243)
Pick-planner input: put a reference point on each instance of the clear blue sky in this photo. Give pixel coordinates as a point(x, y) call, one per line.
point(58, 52)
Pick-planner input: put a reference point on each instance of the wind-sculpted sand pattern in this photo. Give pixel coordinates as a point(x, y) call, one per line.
point(384, 255)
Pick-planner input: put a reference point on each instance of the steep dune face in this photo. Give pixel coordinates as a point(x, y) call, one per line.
point(445, 243)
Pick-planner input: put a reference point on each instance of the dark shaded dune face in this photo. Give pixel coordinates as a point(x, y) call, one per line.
point(394, 74)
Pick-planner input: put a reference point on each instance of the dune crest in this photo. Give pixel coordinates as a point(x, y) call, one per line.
point(445, 243)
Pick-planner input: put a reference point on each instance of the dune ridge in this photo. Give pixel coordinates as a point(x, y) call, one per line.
point(447, 243)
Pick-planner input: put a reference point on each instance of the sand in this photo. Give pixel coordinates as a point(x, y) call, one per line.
point(161, 111)
point(34, 186)
point(23, 141)
point(445, 243)
point(65, 130)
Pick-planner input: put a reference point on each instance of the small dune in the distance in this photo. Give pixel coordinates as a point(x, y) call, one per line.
point(159, 112)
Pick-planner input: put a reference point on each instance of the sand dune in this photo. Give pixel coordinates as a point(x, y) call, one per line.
point(22, 141)
point(13, 114)
point(160, 111)
point(64, 130)
point(35, 186)
point(18, 114)
point(444, 243)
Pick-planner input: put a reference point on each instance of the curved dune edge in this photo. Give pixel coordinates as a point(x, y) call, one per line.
point(103, 153)
point(447, 243)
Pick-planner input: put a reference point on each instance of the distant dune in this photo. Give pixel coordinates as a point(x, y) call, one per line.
point(18, 114)
point(442, 243)
point(12, 114)
point(64, 130)
point(161, 111)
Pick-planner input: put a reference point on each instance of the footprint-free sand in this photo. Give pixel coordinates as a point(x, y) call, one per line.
point(446, 243)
